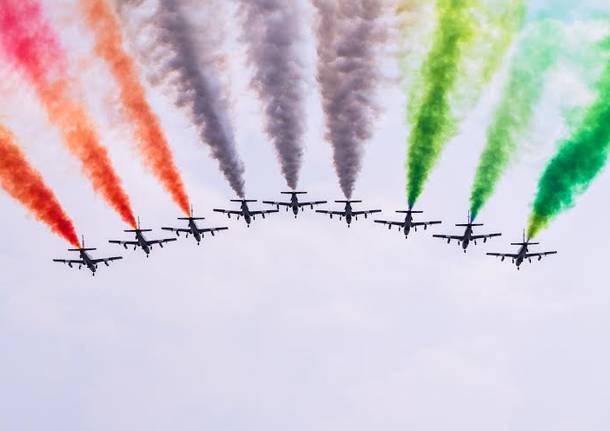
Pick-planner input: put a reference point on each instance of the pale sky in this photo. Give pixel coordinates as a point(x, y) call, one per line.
point(301, 325)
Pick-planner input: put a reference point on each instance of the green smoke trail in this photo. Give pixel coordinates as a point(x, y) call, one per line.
point(471, 38)
point(579, 159)
point(432, 120)
point(536, 53)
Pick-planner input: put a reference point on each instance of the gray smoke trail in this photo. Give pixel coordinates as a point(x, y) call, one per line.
point(272, 35)
point(190, 69)
point(348, 35)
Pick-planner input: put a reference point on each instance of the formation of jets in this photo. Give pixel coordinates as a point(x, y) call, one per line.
point(348, 213)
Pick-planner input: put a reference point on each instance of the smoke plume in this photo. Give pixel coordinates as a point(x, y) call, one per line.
point(153, 144)
point(349, 32)
point(29, 42)
point(272, 35)
point(21, 181)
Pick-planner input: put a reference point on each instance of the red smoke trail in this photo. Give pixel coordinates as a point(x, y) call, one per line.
point(29, 42)
point(153, 144)
point(20, 180)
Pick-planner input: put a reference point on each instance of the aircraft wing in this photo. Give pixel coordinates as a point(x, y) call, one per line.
point(70, 261)
point(504, 255)
point(425, 223)
point(279, 204)
point(255, 213)
point(358, 213)
point(390, 223)
point(540, 255)
point(337, 213)
point(491, 235)
point(160, 241)
point(308, 204)
point(124, 242)
point(212, 230)
point(172, 229)
point(450, 237)
point(228, 212)
point(106, 260)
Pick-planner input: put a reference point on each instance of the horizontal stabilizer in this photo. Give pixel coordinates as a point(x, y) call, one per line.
point(82, 249)
point(191, 218)
point(348, 202)
point(137, 230)
point(524, 243)
point(243, 200)
point(470, 224)
point(294, 193)
point(410, 211)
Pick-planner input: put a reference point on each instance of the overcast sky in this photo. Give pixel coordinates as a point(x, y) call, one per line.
point(301, 325)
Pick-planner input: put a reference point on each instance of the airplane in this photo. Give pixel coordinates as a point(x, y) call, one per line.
point(523, 253)
point(141, 241)
point(244, 211)
point(294, 203)
point(193, 229)
point(408, 223)
point(86, 260)
point(348, 212)
point(468, 235)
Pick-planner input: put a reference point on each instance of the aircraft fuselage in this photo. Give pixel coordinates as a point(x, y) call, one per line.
point(88, 262)
point(195, 230)
point(467, 237)
point(294, 204)
point(408, 224)
point(245, 212)
point(142, 242)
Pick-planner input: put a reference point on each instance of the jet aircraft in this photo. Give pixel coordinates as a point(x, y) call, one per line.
point(244, 211)
point(468, 236)
point(193, 229)
point(523, 253)
point(294, 203)
point(141, 241)
point(348, 212)
point(86, 260)
point(408, 223)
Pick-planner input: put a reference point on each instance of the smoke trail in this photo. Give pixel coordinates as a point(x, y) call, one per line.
point(189, 66)
point(29, 42)
point(152, 142)
point(470, 41)
point(272, 32)
point(432, 121)
point(578, 161)
point(20, 180)
point(536, 53)
point(348, 34)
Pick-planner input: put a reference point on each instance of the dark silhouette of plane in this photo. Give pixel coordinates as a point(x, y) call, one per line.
point(245, 212)
point(408, 223)
point(141, 241)
point(193, 229)
point(523, 253)
point(468, 236)
point(86, 260)
point(294, 203)
point(348, 212)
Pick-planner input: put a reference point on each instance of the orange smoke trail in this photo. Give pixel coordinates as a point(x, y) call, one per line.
point(20, 180)
point(28, 40)
point(152, 142)
point(82, 140)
